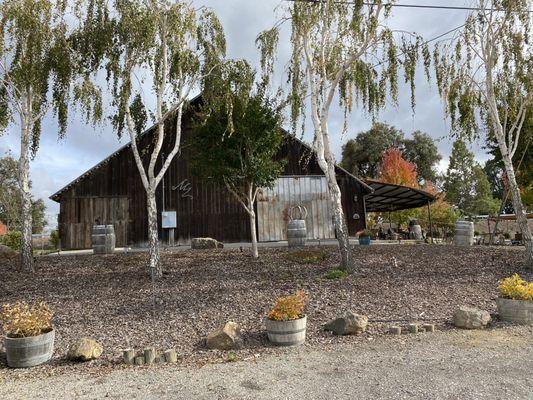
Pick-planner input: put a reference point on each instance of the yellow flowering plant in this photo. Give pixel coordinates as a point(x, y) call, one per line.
point(289, 308)
point(516, 288)
point(23, 320)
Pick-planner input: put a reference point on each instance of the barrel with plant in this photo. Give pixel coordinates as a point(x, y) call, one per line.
point(28, 334)
point(515, 303)
point(286, 323)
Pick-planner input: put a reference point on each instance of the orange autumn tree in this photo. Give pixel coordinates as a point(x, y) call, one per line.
point(397, 170)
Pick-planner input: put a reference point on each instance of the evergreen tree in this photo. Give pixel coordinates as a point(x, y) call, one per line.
point(362, 156)
point(466, 184)
point(422, 151)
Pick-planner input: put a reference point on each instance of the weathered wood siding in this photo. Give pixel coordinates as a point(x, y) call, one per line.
point(274, 205)
point(112, 193)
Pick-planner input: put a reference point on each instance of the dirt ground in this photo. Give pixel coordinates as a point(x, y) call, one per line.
point(490, 364)
point(110, 298)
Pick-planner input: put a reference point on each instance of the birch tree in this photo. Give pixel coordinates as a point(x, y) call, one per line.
point(40, 74)
point(485, 77)
point(340, 50)
point(162, 50)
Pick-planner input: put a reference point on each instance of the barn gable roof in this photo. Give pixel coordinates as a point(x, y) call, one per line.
point(57, 196)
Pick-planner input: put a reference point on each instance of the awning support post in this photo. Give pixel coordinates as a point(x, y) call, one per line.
point(430, 223)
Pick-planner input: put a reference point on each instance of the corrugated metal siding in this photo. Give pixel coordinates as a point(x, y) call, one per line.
point(273, 207)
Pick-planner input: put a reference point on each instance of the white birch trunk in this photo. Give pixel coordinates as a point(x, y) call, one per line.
point(520, 212)
point(153, 236)
point(507, 148)
point(327, 164)
point(24, 181)
point(326, 161)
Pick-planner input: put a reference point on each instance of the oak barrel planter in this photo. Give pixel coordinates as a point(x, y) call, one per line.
point(517, 311)
point(29, 351)
point(287, 333)
point(296, 227)
point(464, 233)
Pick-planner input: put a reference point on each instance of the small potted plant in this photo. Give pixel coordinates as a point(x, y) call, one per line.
point(515, 303)
point(286, 323)
point(28, 334)
point(364, 237)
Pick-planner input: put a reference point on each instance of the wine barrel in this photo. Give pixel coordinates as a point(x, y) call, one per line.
point(464, 233)
point(29, 351)
point(296, 233)
point(416, 232)
point(103, 239)
point(286, 333)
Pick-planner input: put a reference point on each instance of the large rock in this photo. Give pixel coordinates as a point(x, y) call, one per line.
point(470, 318)
point(84, 350)
point(206, 243)
point(227, 337)
point(349, 324)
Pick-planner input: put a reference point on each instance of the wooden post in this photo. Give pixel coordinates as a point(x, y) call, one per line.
point(171, 237)
point(129, 356)
point(430, 223)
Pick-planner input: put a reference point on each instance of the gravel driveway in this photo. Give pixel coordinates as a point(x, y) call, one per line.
point(492, 364)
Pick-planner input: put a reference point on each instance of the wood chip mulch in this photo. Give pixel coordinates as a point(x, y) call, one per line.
point(111, 299)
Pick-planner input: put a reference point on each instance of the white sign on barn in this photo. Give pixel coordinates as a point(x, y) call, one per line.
point(273, 207)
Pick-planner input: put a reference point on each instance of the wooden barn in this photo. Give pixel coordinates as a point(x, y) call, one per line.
point(112, 193)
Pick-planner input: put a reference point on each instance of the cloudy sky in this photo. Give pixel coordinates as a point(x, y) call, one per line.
point(60, 161)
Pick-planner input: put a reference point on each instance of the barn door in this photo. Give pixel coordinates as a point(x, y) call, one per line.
point(273, 207)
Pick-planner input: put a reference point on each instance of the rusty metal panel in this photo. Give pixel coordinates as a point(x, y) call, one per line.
point(273, 207)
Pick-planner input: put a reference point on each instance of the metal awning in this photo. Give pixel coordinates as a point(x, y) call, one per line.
point(389, 197)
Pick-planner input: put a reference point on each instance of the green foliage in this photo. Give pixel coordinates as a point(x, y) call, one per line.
point(38, 216)
point(238, 149)
point(348, 68)
point(365, 233)
point(422, 151)
point(55, 239)
point(307, 256)
point(12, 239)
point(466, 184)
point(362, 156)
point(523, 162)
point(11, 199)
point(174, 43)
point(336, 274)
point(41, 68)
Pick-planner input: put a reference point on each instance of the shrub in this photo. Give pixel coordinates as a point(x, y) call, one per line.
point(335, 274)
point(307, 256)
point(55, 239)
point(365, 233)
point(289, 308)
point(12, 239)
point(516, 288)
point(22, 320)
